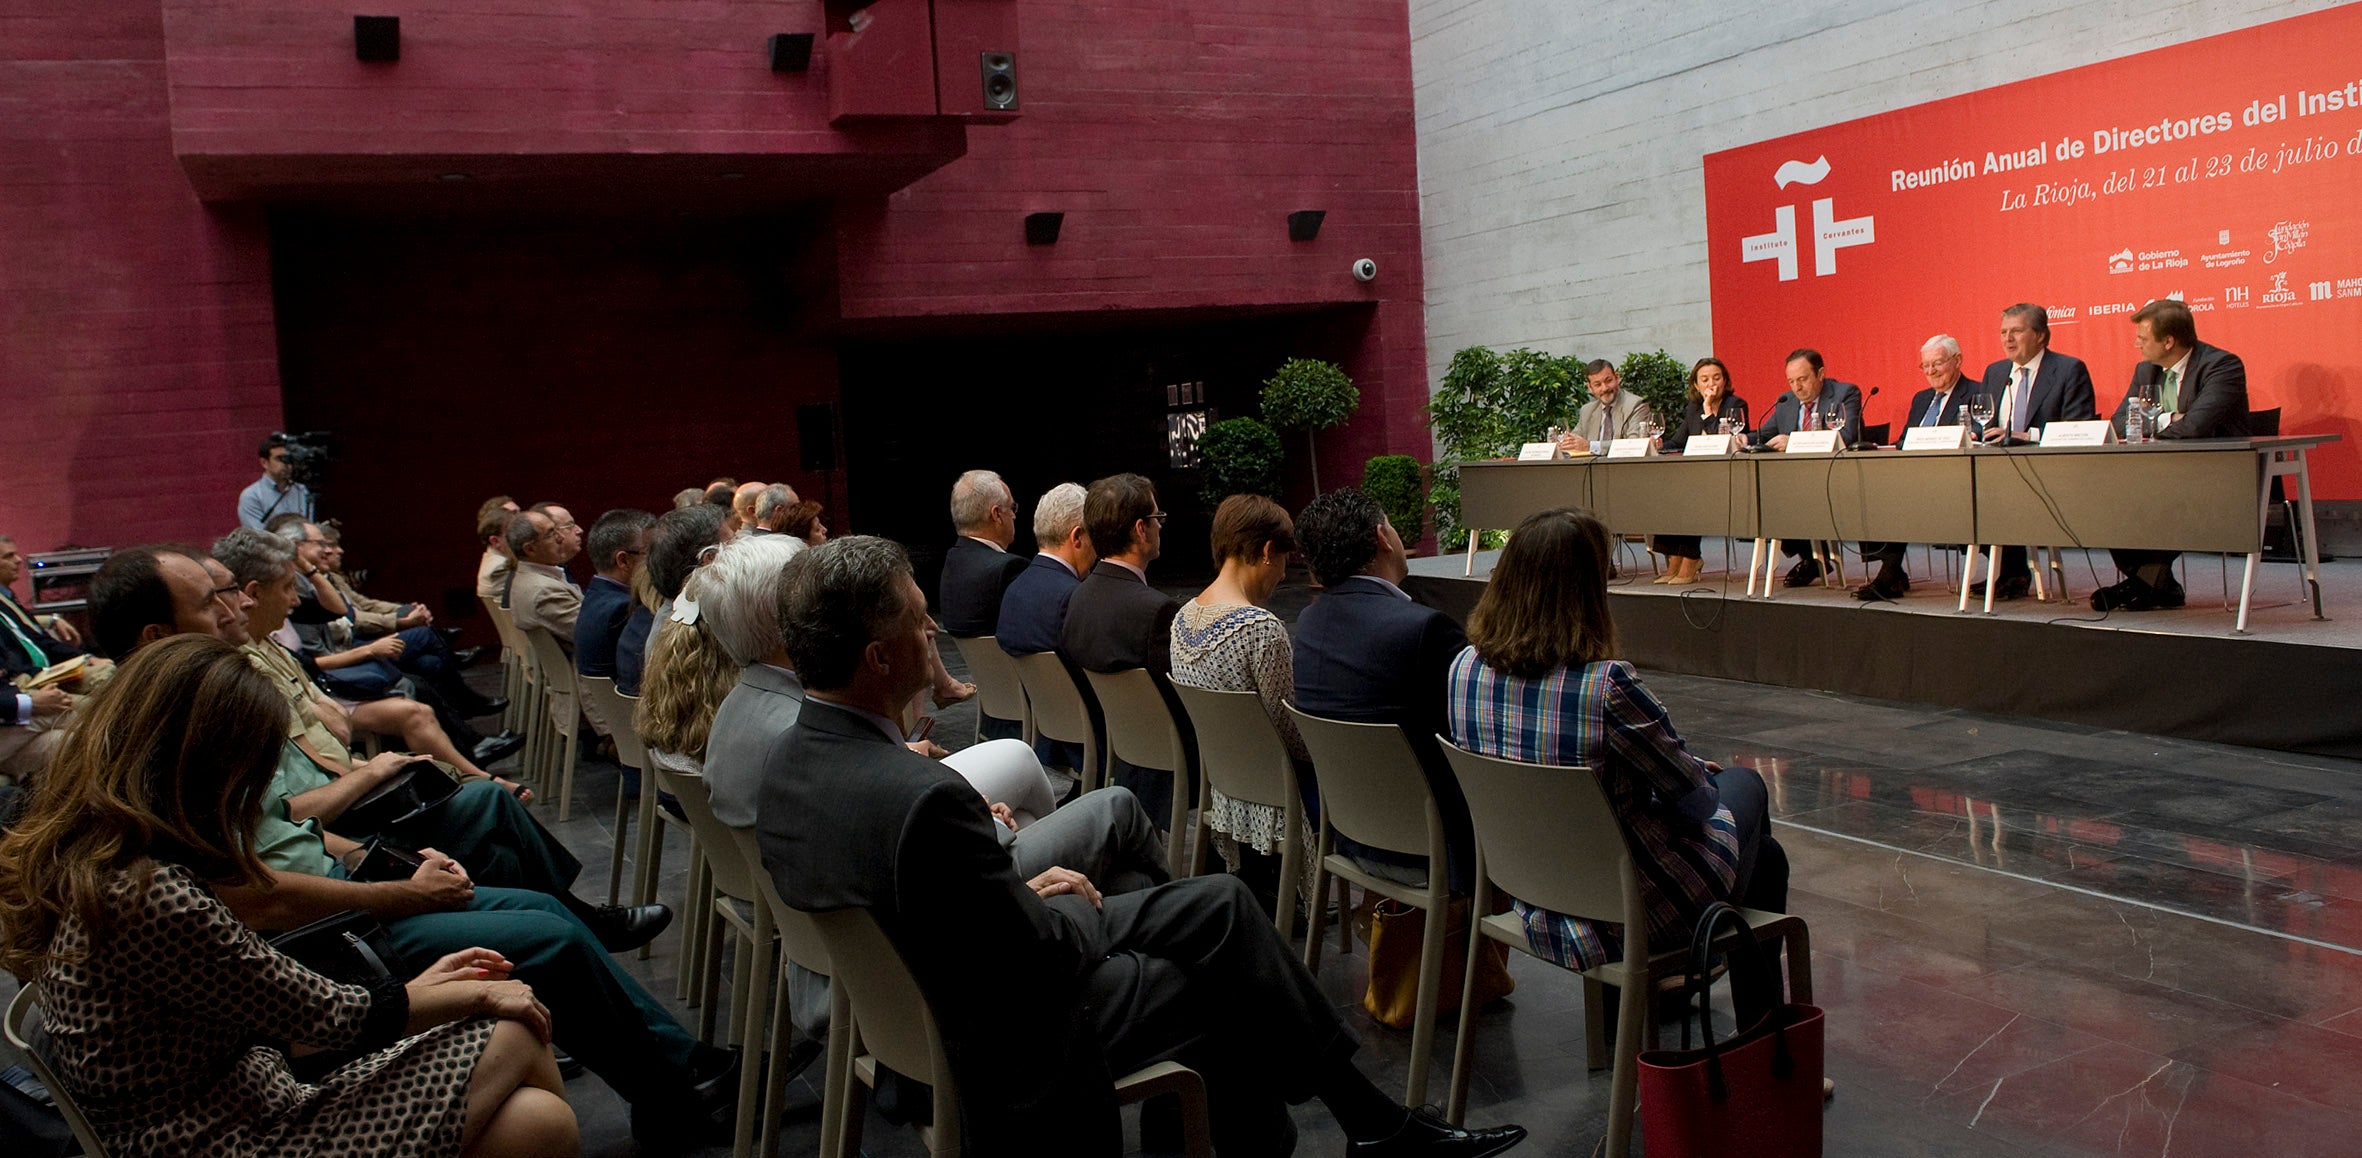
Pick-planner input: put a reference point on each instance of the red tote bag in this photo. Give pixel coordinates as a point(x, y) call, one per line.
point(1757, 1093)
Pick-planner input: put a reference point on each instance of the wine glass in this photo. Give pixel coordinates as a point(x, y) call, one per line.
point(2151, 407)
point(1980, 414)
point(1654, 427)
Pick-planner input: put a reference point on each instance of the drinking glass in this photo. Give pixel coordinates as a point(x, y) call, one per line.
point(1980, 413)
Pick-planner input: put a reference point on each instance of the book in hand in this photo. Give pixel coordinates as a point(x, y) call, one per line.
point(62, 672)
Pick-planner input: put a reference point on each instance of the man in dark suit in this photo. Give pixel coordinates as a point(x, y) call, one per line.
point(1115, 621)
point(979, 567)
point(1032, 615)
point(618, 545)
point(1813, 401)
point(2201, 392)
point(2031, 388)
point(1939, 404)
point(26, 643)
point(26, 646)
point(1191, 970)
point(1367, 653)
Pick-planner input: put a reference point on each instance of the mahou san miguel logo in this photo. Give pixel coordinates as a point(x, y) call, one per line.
point(1829, 234)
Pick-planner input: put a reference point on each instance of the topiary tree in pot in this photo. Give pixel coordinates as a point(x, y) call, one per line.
point(1310, 395)
point(1239, 456)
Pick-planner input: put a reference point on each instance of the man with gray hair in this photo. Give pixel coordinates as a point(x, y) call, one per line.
point(1033, 610)
point(1939, 404)
point(979, 567)
point(1100, 984)
point(770, 509)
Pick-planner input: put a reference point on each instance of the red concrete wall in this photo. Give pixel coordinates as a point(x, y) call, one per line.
point(137, 368)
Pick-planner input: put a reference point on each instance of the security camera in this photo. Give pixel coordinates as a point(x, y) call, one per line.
point(1365, 270)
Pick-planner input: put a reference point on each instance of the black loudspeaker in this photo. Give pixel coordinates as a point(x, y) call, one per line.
point(791, 51)
point(816, 434)
point(1042, 228)
point(1304, 224)
point(1000, 80)
point(377, 39)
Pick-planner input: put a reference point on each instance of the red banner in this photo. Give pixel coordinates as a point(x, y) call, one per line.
point(2226, 172)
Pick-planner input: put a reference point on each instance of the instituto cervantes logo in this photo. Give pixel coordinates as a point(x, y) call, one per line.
point(1828, 232)
point(2287, 237)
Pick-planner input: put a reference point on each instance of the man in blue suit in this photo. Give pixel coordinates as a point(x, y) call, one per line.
point(2031, 388)
point(1813, 402)
point(1033, 609)
point(618, 545)
point(1366, 652)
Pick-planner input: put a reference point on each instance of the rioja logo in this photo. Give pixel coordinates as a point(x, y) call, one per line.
point(1829, 233)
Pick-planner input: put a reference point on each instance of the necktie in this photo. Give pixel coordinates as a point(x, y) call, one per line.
point(1935, 410)
point(2167, 395)
point(2017, 404)
point(1812, 415)
point(33, 649)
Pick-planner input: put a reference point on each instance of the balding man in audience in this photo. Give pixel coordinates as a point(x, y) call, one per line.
point(540, 594)
point(742, 506)
point(772, 505)
point(1042, 987)
point(979, 567)
point(1032, 616)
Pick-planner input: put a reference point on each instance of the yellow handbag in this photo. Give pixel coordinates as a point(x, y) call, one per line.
point(1394, 932)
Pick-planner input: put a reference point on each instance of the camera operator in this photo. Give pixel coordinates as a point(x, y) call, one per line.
point(285, 462)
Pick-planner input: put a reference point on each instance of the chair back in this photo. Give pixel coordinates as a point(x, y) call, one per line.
point(1058, 708)
point(503, 626)
point(1876, 434)
point(1000, 691)
point(23, 1029)
point(796, 931)
point(1548, 835)
point(557, 668)
point(731, 876)
point(1140, 725)
point(897, 1026)
point(1371, 784)
point(1238, 748)
point(619, 711)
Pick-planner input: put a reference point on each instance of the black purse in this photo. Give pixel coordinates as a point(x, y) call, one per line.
point(420, 785)
point(350, 948)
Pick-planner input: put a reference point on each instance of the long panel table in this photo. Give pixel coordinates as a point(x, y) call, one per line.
point(2190, 495)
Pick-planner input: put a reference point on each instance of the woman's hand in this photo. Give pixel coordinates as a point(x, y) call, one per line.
point(466, 965)
point(514, 1001)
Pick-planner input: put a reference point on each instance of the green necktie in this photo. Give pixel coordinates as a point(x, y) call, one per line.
point(2166, 394)
point(40, 657)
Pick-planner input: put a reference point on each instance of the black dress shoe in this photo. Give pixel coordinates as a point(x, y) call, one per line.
point(2012, 587)
point(494, 749)
point(1889, 585)
point(449, 634)
point(1427, 1133)
point(466, 656)
point(2119, 596)
point(2154, 598)
point(1804, 574)
point(489, 706)
point(625, 927)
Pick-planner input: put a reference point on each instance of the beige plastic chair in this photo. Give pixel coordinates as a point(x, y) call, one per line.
point(1000, 691)
point(897, 1029)
point(513, 656)
point(1059, 711)
point(1547, 836)
point(1373, 790)
point(697, 892)
point(1242, 755)
point(800, 940)
point(1142, 731)
point(24, 1032)
point(617, 708)
point(560, 750)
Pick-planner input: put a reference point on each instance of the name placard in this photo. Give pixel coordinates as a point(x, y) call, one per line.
point(1812, 442)
point(1709, 445)
point(1935, 438)
point(1537, 452)
point(2094, 433)
point(1631, 448)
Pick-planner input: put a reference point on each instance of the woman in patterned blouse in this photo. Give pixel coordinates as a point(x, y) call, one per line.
point(1537, 684)
point(170, 1022)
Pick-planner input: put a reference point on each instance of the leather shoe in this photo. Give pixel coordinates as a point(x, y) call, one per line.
point(1889, 585)
point(2012, 587)
point(2118, 596)
point(466, 656)
point(625, 927)
point(1427, 1133)
point(494, 749)
point(1804, 574)
point(449, 634)
point(2154, 598)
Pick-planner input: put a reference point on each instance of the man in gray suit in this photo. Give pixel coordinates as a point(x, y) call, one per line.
point(1612, 413)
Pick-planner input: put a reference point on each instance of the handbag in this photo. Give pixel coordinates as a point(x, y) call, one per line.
point(1758, 1091)
point(419, 785)
point(349, 948)
point(384, 862)
point(1395, 933)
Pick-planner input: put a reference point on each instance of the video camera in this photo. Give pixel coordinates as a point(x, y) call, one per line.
point(308, 454)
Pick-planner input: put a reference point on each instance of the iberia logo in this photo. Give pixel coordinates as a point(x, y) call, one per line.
point(1829, 234)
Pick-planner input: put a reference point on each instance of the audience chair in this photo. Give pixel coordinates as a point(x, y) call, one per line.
point(897, 1030)
point(1241, 753)
point(1547, 836)
point(512, 663)
point(1060, 712)
point(800, 942)
point(617, 708)
point(564, 718)
point(1143, 732)
point(697, 891)
point(1000, 691)
point(1373, 790)
point(734, 902)
point(24, 1031)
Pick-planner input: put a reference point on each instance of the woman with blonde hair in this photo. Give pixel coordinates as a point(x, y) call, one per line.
point(170, 1022)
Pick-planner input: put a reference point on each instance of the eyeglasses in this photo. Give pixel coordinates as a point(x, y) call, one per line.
point(1159, 516)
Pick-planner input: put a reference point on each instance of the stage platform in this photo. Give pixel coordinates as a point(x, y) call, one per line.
point(2291, 683)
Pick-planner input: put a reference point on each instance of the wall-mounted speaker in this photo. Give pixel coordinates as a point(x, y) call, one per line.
point(791, 51)
point(377, 39)
point(1042, 228)
point(1304, 224)
point(1000, 80)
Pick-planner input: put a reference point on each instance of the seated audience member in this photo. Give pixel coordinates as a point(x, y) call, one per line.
point(1226, 641)
point(1939, 403)
point(541, 595)
point(2032, 387)
point(492, 571)
point(771, 509)
point(371, 617)
point(327, 627)
point(1365, 652)
point(687, 496)
point(1707, 405)
point(1539, 684)
point(569, 531)
point(31, 722)
point(2201, 392)
point(1116, 622)
point(742, 506)
point(1813, 401)
point(679, 542)
point(618, 545)
point(848, 817)
point(978, 569)
point(801, 522)
point(276, 492)
point(723, 492)
point(1611, 412)
point(151, 983)
point(1032, 617)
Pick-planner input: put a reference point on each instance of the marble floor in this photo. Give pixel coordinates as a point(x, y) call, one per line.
point(2030, 939)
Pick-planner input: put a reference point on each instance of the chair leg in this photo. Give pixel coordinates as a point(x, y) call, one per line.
point(693, 900)
point(1177, 838)
point(1320, 901)
point(1623, 1087)
point(754, 1016)
point(1455, 1107)
point(856, 1103)
point(1423, 1015)
point(565, 771)
point(1291, 872)
point(838, 1088)
point(651, 849)
point(622, 845)
point(1595, 1044)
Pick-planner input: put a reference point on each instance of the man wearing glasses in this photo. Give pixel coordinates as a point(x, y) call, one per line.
point(1115, 621)
point(618, 543)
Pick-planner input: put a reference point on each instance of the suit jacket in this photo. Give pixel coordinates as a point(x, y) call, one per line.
point(1033, 610)
point(1955, 398)
point(2061, 390)
point(1694, 420)
point(1627, 418)
point(14, 659)
point(975, 577)
point(1835, 398)
point(598, 626)
point(748, 729)
point(540, 595)
point(849, 819)
point(631, 649)
point(2212, 395)
point(1117, 622)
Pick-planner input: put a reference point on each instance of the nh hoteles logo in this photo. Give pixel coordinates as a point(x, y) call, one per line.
point(1829, 234)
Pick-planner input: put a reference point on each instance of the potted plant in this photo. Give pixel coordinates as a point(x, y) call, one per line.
point(1239, 456)
point(1310, 395)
